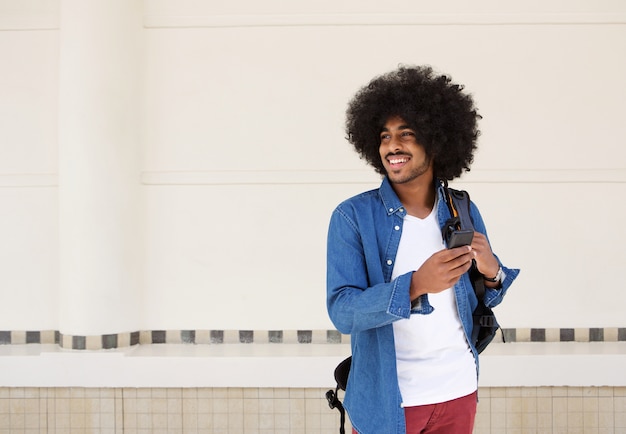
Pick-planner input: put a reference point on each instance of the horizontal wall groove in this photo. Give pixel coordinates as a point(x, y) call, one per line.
point(34, 22)
point(254, 177)
point(20, 180)
point(249, 177)
point(321, 177)
point(26, 22)
point(548, 176)
point(379, 19)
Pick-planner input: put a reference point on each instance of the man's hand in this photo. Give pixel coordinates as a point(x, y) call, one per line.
point(441, 271)
point(486, 262)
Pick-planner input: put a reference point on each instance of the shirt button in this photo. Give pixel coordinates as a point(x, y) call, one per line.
point(390, 209)
point(401, 209)
point(397, 228)
point(389, 262)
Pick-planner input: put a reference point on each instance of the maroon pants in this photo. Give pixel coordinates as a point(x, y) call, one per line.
point(456, 416)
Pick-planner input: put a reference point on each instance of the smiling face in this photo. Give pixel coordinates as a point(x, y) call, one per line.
point(404, 159)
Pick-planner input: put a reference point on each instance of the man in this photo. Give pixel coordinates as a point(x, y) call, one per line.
point(405, 299)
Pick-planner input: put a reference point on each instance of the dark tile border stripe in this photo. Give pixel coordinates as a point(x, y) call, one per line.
point(246, 336)
point(275, 336)
point(305, 336)
point(134, 338)
point(159, 336)
point(5, 337)
point(537, 335)
point(203, 337)
point(188, 336)
point(217, 337)
point(508, 335)
point(33, 337)
point(596, 335)
point(109, 342)
point(567, 335)
point(79, 342)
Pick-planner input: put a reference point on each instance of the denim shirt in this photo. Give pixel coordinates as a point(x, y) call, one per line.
point(363, 301)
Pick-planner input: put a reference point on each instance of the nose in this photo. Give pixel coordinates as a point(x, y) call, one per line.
point(394, 143)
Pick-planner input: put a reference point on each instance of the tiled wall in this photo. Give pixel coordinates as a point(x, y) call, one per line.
point(165, 411)
point(543, 410)
point(551, 410)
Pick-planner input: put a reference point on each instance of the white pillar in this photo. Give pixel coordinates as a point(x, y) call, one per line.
point(99, 197)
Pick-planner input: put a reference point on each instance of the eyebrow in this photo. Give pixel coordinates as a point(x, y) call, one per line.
point(401, 127)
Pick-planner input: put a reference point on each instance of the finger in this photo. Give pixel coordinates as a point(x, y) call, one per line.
point(455, 268)
point(480, 242)
point(479, 236)
point(456, 252)
point(455, 274)
point(465, 254)
point(463, 263)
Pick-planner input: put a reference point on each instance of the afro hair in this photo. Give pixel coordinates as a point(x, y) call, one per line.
point(441, 114)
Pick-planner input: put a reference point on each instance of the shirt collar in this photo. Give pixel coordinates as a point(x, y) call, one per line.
point(390, 198)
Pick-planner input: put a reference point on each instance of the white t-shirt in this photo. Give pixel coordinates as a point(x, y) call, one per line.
point(434, 360)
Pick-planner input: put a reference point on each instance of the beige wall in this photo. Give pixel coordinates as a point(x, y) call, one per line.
point(243, 156)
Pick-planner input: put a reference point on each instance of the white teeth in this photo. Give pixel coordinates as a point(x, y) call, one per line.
point(401, 160)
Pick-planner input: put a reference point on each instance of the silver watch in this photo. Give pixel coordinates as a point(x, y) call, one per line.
point(499, 276)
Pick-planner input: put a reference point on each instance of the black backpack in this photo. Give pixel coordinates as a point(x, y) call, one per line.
point(485, 323)
point(458, 230)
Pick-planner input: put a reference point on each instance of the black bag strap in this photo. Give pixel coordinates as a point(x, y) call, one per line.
point(341, 377)
point(333, 402)
point(458, 202)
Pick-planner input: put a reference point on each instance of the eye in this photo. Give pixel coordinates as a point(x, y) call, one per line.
point(408, 133)
point(385, 136)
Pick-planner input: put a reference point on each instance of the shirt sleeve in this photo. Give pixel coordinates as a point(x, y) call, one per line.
point(493, 296)
point(353, 303)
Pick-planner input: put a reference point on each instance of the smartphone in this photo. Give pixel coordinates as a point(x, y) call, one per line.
point(460, 238)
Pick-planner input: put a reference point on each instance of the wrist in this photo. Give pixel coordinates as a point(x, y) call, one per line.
point(497, 278)
point(415, 290)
